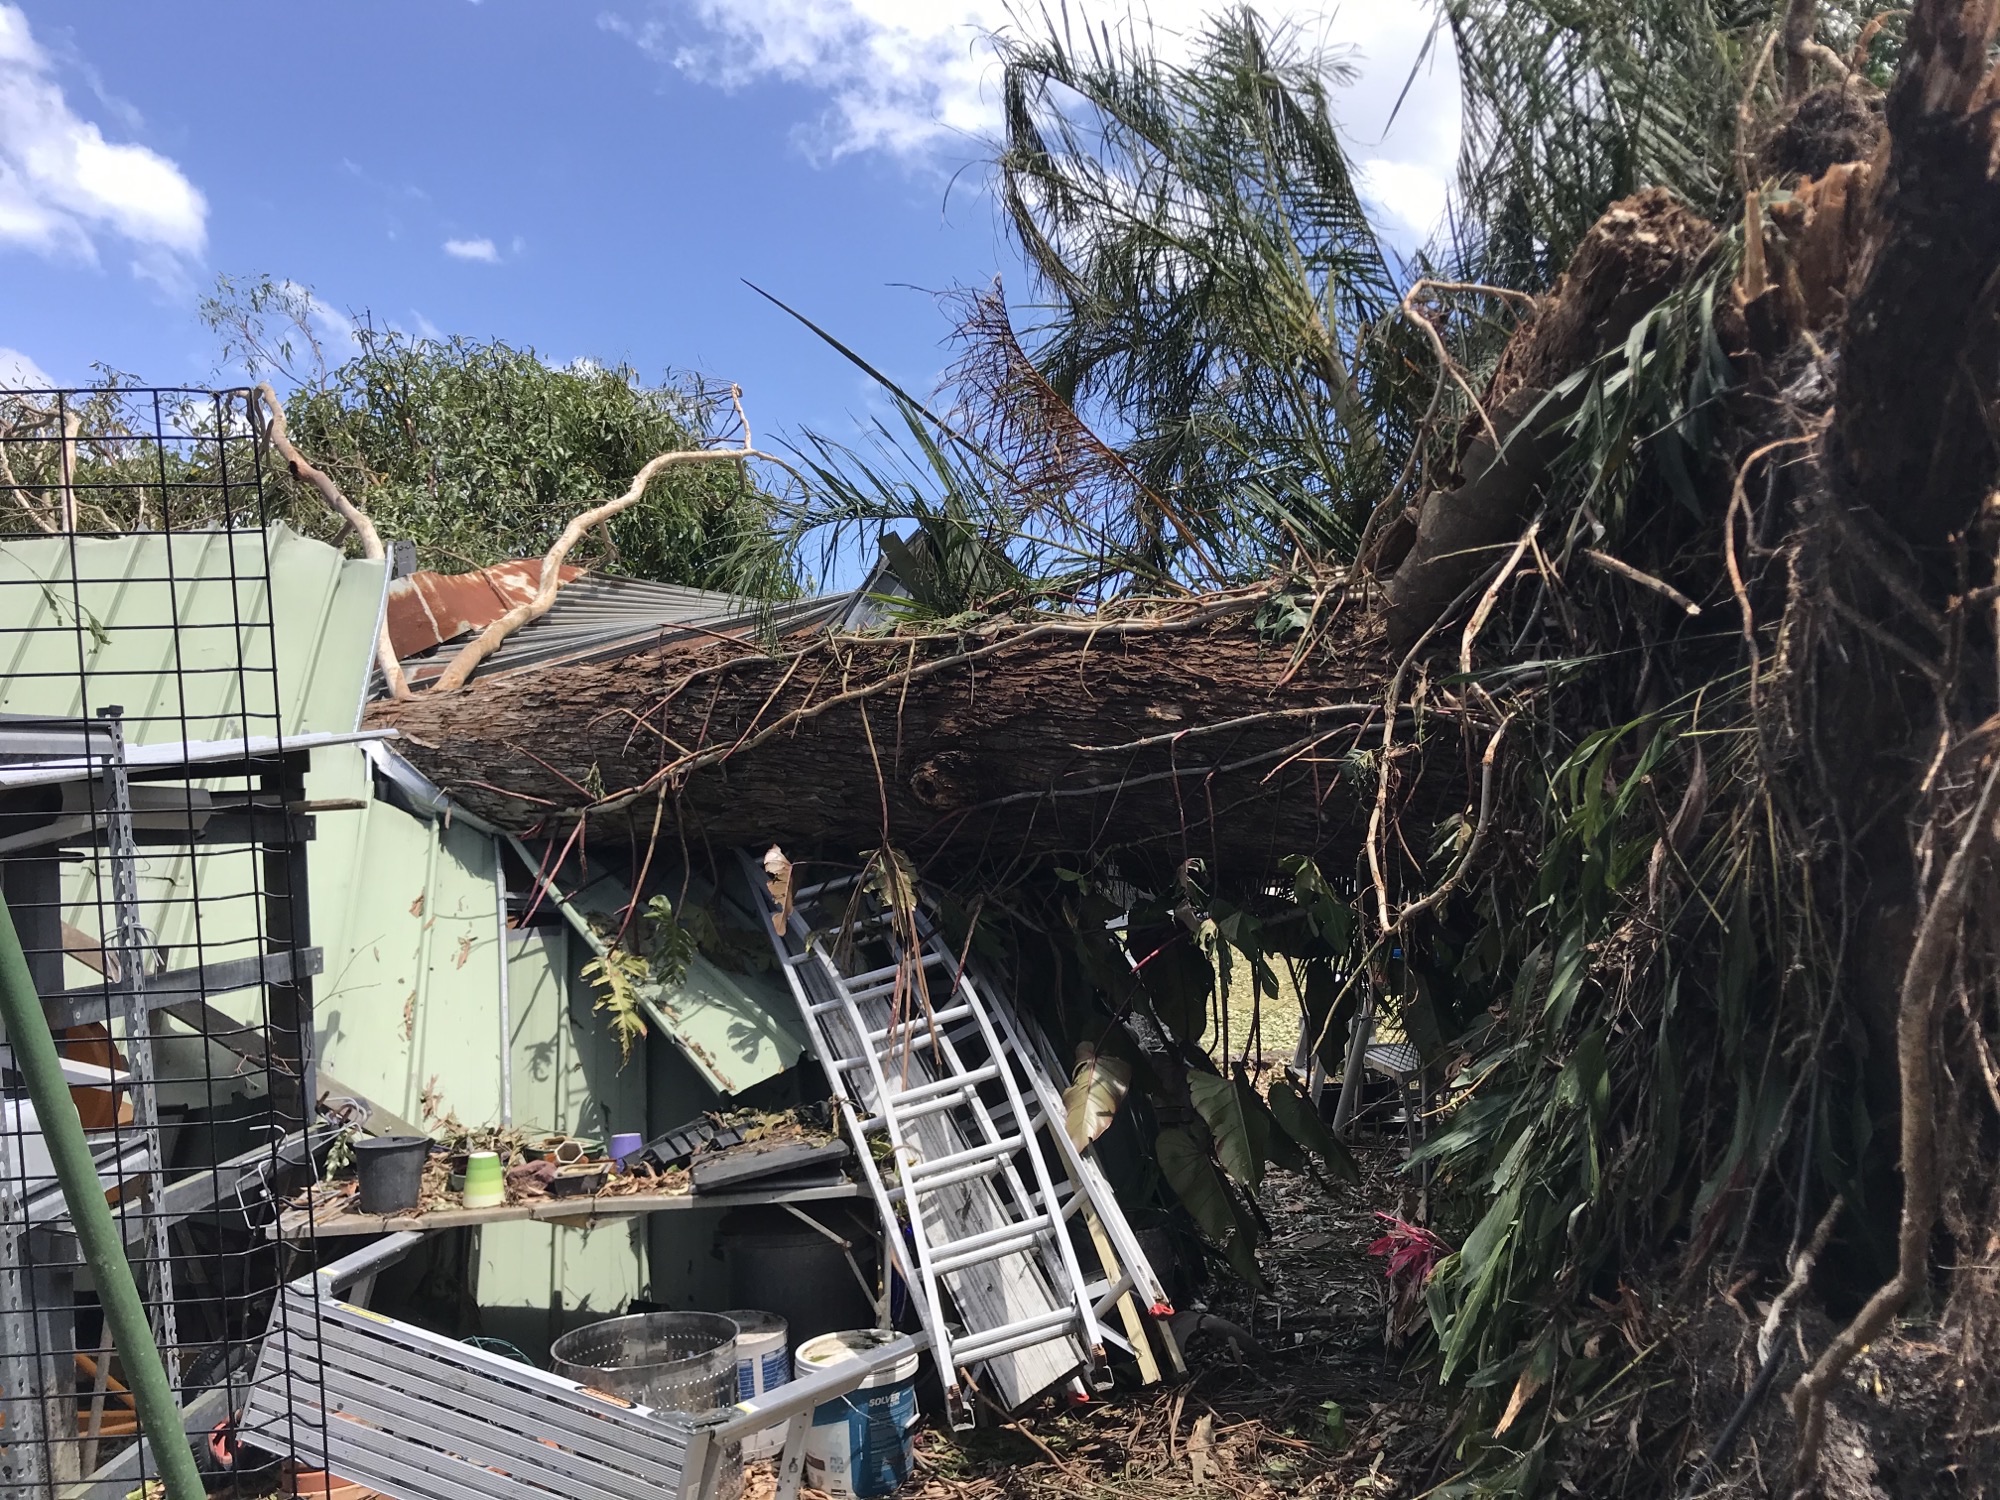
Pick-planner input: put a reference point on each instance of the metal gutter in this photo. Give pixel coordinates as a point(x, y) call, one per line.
point(176, 753)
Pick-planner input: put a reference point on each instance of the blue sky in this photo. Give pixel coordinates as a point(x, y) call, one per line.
point(592, 179)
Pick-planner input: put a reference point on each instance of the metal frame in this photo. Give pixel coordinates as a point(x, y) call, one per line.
point(185, 814)
point(417, 1416)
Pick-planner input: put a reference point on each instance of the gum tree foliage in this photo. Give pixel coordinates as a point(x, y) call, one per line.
point(479, 450)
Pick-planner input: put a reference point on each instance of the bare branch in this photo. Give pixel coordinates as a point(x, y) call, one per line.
point(491, 638)
point(347, 510)
point(1446, 362)
point(72, 425)
point(1626, 571)
point(13, 484)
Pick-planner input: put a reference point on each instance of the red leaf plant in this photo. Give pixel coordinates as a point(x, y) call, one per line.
point(1413, 1253)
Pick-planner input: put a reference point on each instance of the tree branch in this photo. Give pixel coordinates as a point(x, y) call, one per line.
point(1626, 571)
point(493, 636)
point(371, 541)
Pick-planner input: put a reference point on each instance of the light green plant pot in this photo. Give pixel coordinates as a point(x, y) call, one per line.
point(485, 1180)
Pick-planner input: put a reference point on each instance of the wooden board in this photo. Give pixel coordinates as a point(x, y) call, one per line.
point(298, 1223)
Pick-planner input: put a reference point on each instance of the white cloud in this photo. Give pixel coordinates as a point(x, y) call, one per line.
point(912, 78)
point(20, 373)
point(1412, 193)
point(334, 329)
point(63, 186)
point(481, 250)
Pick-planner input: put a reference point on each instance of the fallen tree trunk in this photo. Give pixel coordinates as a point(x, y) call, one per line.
point(1167, 738)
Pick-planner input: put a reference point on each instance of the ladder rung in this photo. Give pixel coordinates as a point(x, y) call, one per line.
point(1104, 1296)
point(994, 1244)
point(917, 1111)
point(950, 1179)
point(1036, 1330)
point(992, 1151)
point(943, 1088)
point(911, 1028)
point(880, 991)
point(890, 971)
point(808, 892)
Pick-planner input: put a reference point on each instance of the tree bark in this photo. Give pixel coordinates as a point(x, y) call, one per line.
point(1913, 435)
point(1161, 740)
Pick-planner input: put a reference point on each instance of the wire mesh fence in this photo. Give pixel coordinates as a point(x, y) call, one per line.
point(153, 829)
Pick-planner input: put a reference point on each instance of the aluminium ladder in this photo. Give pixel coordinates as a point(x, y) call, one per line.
point(962, 1090)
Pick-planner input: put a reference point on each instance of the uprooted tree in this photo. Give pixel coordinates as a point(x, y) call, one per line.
point(1650, 715)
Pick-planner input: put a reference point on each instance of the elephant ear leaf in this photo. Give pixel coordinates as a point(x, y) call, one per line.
point(1242, 1135)
point(1177, 977)
point(1091, 1101)
point(1296, 1115)
point(1204, 1192)
point(1193, 1177)
point(1281, 1148)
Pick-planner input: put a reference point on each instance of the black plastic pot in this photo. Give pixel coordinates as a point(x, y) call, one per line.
point(391, 1172)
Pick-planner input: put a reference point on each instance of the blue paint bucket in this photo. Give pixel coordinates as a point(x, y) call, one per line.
point(860, 1444)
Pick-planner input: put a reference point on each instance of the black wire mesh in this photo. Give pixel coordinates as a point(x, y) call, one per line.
point(152, 848)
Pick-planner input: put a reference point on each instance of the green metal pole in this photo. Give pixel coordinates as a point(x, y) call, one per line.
point(103, 1248)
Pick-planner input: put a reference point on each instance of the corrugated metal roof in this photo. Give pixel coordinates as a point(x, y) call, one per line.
point(601, 618)
point(737, 1029)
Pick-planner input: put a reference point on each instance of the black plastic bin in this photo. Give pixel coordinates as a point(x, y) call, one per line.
point(782, 1266)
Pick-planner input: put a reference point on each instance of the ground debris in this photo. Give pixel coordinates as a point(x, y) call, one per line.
point(1320, 1409)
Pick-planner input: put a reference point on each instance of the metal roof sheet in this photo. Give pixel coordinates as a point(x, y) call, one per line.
point(167, 754)
point(426, 608)
point(217, 644)
point(600, 618)
point(202, 635)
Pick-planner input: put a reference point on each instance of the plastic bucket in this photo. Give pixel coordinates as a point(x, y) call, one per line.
point(795, 1271)
point(763, 1363)
point(390, 1169)
point(859, 1445)
point(624, 1146)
